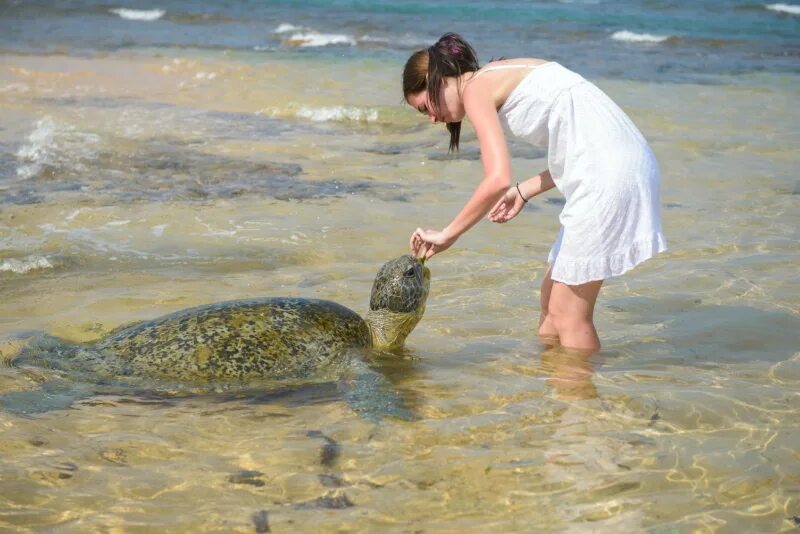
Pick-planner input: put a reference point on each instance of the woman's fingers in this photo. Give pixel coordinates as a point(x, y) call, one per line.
point(417, 241)
point(497, 207)
point(422, 244)
point(499, 214)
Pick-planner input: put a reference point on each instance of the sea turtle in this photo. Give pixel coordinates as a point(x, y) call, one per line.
point(242, 341)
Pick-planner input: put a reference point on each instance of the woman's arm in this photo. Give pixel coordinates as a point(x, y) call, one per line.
point(480, 108)
point(512, 202)
point(538, 184)
point(516, 196)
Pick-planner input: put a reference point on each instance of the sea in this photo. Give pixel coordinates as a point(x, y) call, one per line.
point(158, 155)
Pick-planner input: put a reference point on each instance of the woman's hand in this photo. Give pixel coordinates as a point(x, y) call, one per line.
point(426, 243)
point(507, 207)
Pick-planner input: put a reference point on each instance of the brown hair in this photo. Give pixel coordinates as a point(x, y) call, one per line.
point(451, 56)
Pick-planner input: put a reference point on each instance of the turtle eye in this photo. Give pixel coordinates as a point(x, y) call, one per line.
point(409, 272)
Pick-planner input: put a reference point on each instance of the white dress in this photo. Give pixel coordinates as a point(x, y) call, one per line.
point(602, 165)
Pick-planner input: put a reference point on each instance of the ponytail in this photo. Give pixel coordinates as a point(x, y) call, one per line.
point(450, 56)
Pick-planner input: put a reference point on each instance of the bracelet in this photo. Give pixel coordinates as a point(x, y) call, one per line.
point(524, 200)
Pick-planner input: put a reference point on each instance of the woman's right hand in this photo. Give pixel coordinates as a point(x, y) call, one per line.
point(426, 243)
point(507, 207)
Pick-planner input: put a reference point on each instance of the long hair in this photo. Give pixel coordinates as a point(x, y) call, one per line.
point(426, 69)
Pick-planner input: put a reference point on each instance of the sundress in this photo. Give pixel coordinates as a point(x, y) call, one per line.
point(600, 163)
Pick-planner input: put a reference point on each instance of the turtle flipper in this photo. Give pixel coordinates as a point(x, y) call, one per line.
point(371, 395)
point(40, 362)
point(55, 394)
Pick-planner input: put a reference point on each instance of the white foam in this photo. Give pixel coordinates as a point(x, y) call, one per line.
point(49, 143)
point(632, 37)
point(373, 39)
point(316, 39)
point(73, 215)
point(158, 230)
point(784, 8)
point(39, 149)
point(286, 28)
point(146, 15)
point(325, 113)
point(337, 113)
point(25, 265)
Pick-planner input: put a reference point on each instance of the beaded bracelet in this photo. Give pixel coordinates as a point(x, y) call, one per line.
point(524, 200)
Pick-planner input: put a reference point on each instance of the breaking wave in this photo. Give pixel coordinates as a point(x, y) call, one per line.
point(784, 8)
point(326, 113)
point(25, 265)
point(145, 15)
point(633, 37)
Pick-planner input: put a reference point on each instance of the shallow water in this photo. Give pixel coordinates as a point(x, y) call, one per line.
point(135, 183)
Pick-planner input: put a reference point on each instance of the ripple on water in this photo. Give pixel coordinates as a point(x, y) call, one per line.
point(215, 124)
point(162, 169)
point(111, 159)
point(736, 333)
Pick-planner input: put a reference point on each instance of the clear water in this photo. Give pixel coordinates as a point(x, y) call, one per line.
point(152, 165)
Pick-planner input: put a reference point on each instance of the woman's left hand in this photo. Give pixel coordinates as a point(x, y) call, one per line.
point(507, 207)
point(426, 243)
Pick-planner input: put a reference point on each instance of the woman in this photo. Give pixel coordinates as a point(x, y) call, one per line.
point(596, 158)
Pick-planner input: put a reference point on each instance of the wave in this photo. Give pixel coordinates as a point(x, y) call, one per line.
point(49, 144)
point(784, 8)
point(326, 113)
point(316, 39)
point(37, 152)
point(632, 37)
point(301, 36)
point(146, 15)
point(285, 27)
point(338, 113)
point(25, 265)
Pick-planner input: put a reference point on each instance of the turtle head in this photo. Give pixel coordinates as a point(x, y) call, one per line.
point(398, 300)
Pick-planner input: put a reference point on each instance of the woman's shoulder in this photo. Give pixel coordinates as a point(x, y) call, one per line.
point(505, 75)
point(511, 62)
point(505, 68)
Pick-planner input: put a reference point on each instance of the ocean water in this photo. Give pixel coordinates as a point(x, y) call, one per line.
point(596, 37)
point(157, 156)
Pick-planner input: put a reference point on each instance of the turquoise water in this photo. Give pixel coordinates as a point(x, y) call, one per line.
point(181, 154)
point(658, 39)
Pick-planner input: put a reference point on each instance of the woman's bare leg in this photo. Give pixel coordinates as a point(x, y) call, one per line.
point(570, 372)
point(570, 309)
point(547, 331)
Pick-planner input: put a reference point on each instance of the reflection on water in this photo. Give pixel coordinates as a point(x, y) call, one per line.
point(586, 452)
point(570, 372)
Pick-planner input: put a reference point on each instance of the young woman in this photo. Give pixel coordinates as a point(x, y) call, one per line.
point(596, 158)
